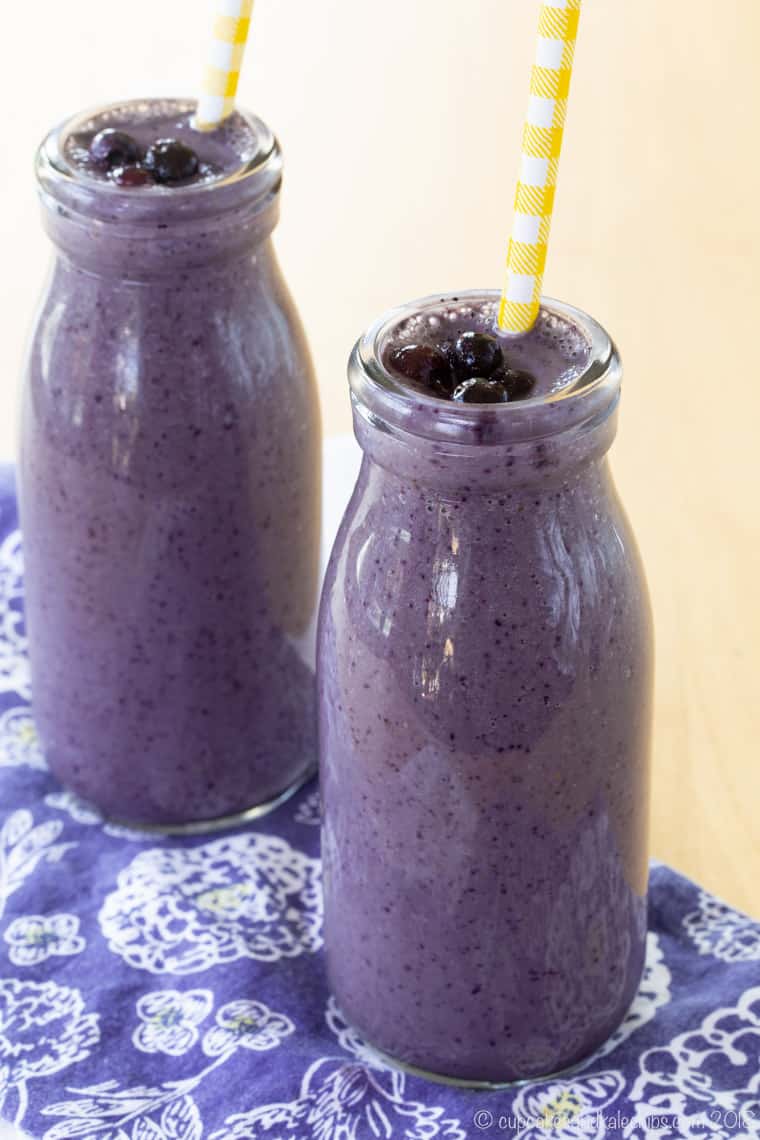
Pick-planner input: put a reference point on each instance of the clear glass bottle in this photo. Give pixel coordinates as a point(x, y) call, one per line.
point(170, 488)
point(485, 675)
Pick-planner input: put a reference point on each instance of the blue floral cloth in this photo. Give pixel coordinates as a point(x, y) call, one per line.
point(174, 989)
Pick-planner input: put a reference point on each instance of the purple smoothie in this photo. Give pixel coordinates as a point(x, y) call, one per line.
point(170, 481)
point(485, 670)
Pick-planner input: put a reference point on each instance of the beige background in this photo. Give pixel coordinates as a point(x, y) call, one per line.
point(401, 122)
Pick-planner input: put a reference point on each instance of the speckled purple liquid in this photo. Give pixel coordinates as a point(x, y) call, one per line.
point(485, 668)
point(170, 482)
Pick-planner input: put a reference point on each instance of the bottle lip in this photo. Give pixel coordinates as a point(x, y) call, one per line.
point(381, 398)
point(252, 184)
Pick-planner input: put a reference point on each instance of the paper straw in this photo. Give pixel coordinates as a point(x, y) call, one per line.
point(541, 147)
point(232, 20)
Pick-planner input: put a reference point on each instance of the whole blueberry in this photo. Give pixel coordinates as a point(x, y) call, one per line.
point(519, 384)
point(424, 364)
point(477, 355)
point(130, 176)
point(110, 148)
point(169, 160)
point(480, 390)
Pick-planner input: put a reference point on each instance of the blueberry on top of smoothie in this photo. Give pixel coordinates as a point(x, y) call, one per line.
point(465, 365)
point(130, 176)
point(518, 382)
point(110, 148)
point(426, 365)
point(169, 160)
point(477, 355)
point(480, 390)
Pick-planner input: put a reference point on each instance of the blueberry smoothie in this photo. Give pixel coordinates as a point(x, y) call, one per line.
point(485, 672)
point(169, 473)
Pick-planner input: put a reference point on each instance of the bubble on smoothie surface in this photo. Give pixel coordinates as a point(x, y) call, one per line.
point(464, 333)
point(153, 143)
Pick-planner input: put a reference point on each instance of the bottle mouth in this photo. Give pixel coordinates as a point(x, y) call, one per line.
point(584, 396)
point(250, 177)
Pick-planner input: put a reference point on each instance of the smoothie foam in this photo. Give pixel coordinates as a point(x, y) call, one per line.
point(222, 153)
point(555, 352)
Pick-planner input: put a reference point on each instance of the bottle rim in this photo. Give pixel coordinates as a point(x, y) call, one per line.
point(384, 400)
point(251, 185)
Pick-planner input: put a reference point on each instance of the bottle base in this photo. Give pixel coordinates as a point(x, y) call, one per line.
point(387, 1060)
point(220, 823)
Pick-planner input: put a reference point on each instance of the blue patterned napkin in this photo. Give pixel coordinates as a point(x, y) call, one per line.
point(174, 989)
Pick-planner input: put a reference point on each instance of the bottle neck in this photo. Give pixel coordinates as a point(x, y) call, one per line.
point(540, 440)
point(141, 233)
point(157, 250)
point(484, 467)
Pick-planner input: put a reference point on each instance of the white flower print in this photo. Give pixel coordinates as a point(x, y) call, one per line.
point(14, 664)
point(182, 910)
point(170, 1019)
point(22, 847)
point(43, 1029)
point(249, 1024)
point(33, 938)
point(349, 1039)
point(167, 1111)
point(725, 933)
point(79, 811)
point(83, 813)
point(571, 1109)
point(342, 1100)
point(19, 742)
point(309, 810)
point(706, 1081)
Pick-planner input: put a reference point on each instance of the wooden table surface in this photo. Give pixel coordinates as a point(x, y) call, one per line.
point(687, 464)
point(667, 254)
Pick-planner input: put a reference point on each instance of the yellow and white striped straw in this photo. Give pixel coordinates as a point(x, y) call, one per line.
point(542, 144)
point(232, 21)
